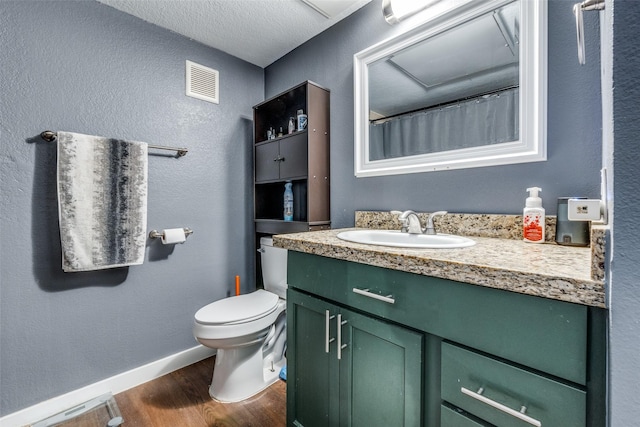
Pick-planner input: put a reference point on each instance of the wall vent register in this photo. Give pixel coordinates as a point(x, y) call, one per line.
point(202, 82)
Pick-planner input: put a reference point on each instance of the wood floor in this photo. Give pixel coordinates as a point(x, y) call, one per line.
point(181, 398)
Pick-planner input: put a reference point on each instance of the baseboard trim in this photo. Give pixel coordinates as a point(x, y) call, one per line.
point(115, 384)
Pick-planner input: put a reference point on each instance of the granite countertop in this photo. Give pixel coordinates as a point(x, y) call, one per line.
point(545, 270)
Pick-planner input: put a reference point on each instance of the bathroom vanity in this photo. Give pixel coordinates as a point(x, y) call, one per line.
point(443, 337)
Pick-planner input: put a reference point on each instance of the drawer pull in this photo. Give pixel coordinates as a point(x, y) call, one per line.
point(499, 406)
point(327, 340)
point(389, 298)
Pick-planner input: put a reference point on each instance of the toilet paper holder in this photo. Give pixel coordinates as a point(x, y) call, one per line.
point(155, 234)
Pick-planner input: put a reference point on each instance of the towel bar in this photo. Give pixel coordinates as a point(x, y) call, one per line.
point(155, 234)
point(51, 136)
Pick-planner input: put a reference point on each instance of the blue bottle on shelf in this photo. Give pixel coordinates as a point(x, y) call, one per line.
point(288, 202)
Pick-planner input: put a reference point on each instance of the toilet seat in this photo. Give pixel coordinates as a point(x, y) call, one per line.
point(239, 309)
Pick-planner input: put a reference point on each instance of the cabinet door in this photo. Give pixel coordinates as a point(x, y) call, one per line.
point(312, 380)
point(267, 162)
point(293, 152)
point(380, 373)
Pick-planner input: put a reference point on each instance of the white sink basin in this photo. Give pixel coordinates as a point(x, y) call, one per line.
point(398, 239)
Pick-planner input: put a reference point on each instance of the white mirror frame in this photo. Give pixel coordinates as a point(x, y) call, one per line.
point(533, 98)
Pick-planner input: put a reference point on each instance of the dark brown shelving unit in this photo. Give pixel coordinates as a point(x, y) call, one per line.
point(301, 157)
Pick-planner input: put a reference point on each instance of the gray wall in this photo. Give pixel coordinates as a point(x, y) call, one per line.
point(574, 118)
point(624, 340)
point(82, 66)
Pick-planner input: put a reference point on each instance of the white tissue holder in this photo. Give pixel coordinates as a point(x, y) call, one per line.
point(155, 234)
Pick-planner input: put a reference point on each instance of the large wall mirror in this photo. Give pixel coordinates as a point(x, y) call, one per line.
point(467, 89)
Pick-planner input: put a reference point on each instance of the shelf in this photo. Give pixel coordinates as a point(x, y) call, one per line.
point(275, 226)
point(269, 200)
point(301, 157)
point(275, 112)
point(280, 138)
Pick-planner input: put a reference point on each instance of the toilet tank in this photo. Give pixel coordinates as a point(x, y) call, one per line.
point(274, 267)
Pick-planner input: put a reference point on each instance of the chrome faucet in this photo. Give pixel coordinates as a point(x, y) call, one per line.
point(411, 222)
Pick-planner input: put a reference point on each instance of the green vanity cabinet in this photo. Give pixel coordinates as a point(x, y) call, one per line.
point(347, 369)
point(430, 352)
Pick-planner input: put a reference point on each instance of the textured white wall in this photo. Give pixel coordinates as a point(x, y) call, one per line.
point(85, 67)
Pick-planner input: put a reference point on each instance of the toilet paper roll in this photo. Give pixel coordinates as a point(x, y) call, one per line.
point(172, 236)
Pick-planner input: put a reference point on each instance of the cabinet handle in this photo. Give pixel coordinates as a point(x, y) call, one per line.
point(341, 346)
point(327, 340)
point(389, 298)
point(499, 406)
point(279, 159)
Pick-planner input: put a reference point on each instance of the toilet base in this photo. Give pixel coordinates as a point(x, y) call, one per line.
point(236, 373)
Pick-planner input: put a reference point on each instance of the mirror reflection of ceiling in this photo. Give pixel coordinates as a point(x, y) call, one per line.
point(475, 58)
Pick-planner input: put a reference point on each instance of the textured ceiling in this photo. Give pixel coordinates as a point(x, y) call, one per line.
point(257, 31)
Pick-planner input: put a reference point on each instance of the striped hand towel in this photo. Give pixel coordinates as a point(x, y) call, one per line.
point(102, 201)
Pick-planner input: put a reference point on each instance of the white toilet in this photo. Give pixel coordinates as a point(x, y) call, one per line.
point(248, 331)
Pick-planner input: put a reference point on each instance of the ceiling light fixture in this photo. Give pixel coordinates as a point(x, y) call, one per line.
point(395, 11)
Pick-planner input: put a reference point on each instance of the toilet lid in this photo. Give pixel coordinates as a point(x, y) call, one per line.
point(238, 309)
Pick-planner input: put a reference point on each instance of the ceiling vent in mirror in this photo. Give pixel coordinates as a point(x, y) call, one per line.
point(203, 82)
point(332, 8)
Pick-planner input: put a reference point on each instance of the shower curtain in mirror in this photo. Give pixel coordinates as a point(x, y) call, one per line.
point(486, 120)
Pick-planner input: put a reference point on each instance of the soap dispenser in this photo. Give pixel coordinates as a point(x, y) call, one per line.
point(533, 217)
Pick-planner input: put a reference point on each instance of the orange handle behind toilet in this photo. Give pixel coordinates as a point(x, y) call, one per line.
point(237, 285)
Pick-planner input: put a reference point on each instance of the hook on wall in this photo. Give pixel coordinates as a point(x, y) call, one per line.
point(578, 9)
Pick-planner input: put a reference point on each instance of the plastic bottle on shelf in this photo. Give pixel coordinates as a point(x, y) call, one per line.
point(288, 201)
point(292, 125)
point(302, 120)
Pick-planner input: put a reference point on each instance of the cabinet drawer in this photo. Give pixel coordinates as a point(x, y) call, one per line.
point(451, 418)
point(505, 388)
point(545, 334)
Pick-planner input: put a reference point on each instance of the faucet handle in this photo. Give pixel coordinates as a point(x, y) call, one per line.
point(434, 214)
point(430, 228)
point(404, 221)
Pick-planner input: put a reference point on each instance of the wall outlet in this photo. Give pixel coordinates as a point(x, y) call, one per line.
point(595, 210)
point(584, 210)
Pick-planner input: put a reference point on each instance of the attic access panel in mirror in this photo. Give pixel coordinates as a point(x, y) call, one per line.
point(459, 89)
point(449, 94)
point(474, 58)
